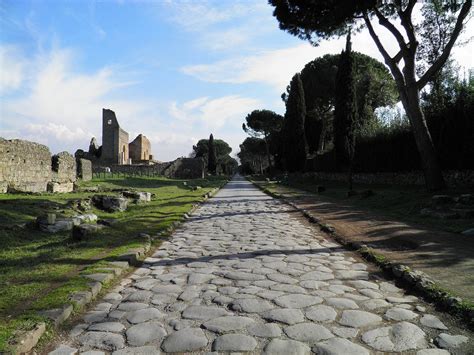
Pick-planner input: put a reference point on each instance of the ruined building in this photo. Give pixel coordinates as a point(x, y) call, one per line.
point(114, 140)
point(140, 149)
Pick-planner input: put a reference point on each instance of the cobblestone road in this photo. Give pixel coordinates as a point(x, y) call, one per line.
point(244, 275)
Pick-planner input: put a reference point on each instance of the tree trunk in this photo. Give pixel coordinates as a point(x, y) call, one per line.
point(429, 159)
point(267, 148)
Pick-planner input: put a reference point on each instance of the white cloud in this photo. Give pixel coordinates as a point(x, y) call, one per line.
point(214, 113)
point(12, 72)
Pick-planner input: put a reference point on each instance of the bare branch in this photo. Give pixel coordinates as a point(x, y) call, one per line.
point(392, 64)
point(398, 57)
point(439, 62)
point(389, 26)
point(405, 17)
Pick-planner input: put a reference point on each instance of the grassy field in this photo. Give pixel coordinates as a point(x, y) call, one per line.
point(39, 270)
point(402, 203)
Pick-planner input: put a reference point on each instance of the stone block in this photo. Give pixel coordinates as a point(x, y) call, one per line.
point(57, 187)
point(84, 231)
point(25, 341)
point(110, 203)
point(84, 169)
point(58, 315)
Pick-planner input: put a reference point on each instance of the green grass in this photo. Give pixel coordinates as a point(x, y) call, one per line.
point(402, 203)
point(40, 270)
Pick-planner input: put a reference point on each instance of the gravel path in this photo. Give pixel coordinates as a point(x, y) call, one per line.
point(244, 275)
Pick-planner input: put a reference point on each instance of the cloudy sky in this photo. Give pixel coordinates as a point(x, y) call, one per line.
point(175, 71)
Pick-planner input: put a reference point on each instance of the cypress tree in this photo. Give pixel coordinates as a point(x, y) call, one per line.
point(211, 159)
point(293, 131)
point(345, 112)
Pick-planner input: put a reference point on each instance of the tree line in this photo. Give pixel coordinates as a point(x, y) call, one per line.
point(330, 119)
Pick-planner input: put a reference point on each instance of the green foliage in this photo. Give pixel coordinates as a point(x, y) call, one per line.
point(293, 131)
point(345, 111)
point(262, 123)
point(211, 156)
point(252, 155)
point(224, 162)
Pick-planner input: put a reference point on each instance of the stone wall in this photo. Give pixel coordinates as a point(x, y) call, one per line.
point(84, 169)
point(453, 178)
point(182, 168)
point(24, 166)
point(64, 173)
point(114, 140)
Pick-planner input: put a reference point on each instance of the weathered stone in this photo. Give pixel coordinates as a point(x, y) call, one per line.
point(317, 276)
point(286, 315)
point(58, 315)
point(234, 342)
point(399, 314)
point(204, 312)
point(114, 327)
point(358, 318)
point(450, 342)
point(399, 337)
point(286, 347)
point(185, 340)
point(144, 333)
point(100, 277)
point(267, 330)
point(297, 301)
point(321, 313)
point(342, 303)
point(226, 324)
point(84, 231)
point(27, 340)
point(345, 332)
point(432, 321)
point(432, 352)
point(144, 315)
point(308, 332)
point(338, 346)
point(141, 350)
point(102, 341)
point(64, 350)
point(251, 305)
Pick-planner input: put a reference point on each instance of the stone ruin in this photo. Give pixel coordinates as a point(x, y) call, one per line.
point(29, 167)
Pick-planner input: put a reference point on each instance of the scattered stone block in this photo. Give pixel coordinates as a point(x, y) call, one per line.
point(84, 231)
point(100, 277)
point(448, 341)
point(58, 315)
point(110, 203)
point(27, 340)
point(60, 225)
point(138, 196)
point(81, 298)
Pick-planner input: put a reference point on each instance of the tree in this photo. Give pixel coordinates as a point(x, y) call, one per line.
point(252, 154)
point(323, 19)
point(263, 123)
point(345, 112)
point(201, 149)
point(293, 133)
point(211, 157)
point(375, 88)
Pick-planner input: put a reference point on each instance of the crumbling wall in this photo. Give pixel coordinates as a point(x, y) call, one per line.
point(140, 149)
point(186, 168)
point(84, 169)
point(24, 166)
point(114, 140)
point(64, 173)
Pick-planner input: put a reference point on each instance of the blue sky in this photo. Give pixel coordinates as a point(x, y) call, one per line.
point(173, 70)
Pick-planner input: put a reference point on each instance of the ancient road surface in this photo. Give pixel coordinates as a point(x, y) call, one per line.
point(244, 275)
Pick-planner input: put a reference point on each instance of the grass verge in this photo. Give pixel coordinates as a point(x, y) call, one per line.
point(39, 270)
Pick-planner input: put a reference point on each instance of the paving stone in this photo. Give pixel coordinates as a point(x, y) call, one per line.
point(114, 327)
point(450, 342)
point(357, 319)
point(375, 304)
point(321, 313)
point(251, 305)
point(286, 347)
point(317, 276)
point(308, 332)
point(345, 332)
point(95, 352)
point(167, 289)
point(338, 346)
point(141, 350)
point(139, 296)
point(285, 315)
point(226, 324)
point(102, 341)
point(64, 350)
point(432, 321)
point(342, 303)
point(144, 333)
point(132, 306)
point(204, 312)
point(432, 352)
point(297, 301)
point(397, 313)
point(312, 284)
point(185, 340)
point(234, 342)
point(246, 276)
point(267, 330)
point(144, 315)
point(282, 279)
point(399, 337)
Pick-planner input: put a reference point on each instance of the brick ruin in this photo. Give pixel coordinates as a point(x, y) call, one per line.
point(29, 167)
point(140, 150)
